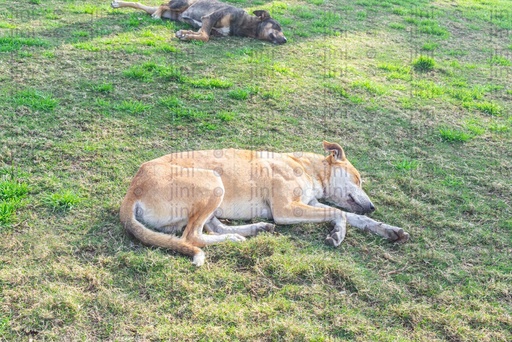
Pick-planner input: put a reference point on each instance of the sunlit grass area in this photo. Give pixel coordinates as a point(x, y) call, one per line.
point(417, 92)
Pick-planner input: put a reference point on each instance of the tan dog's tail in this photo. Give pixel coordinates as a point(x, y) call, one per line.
point(152, 238)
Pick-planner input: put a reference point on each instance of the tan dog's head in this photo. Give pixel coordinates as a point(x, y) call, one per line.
point(344, 183)
point(269, 29)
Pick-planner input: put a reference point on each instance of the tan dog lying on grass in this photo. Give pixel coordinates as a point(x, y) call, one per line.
point(193, 190)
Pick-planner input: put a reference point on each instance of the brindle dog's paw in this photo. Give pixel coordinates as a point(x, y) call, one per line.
point(181, 34)
point(157, 15)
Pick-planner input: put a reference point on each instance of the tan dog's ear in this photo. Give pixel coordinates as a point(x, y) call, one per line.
point(335, 150)
point(262, 14)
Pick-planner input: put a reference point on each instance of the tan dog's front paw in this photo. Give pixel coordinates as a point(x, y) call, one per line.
point(399, 236)
point(334, 238)
point(114, 4)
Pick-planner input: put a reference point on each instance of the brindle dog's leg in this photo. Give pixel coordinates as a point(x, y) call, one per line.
point(136, 5)
point(204, 32)
point(163, 11)
point(160, 11)
point(172, 10)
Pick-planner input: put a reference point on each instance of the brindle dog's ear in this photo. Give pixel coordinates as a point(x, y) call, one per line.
point(262, 14)
point(335, 150)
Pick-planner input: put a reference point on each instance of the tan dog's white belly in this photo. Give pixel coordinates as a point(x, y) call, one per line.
point(246, 178)
point(244, 210)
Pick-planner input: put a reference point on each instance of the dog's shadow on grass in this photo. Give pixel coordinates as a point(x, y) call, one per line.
point(106, 238)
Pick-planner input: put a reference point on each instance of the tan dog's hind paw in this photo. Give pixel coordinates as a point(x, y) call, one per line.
point(235, 237)
point(269, 227)
point(263, 227)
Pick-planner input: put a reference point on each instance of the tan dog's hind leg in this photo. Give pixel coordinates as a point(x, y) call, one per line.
point(215, 226)
point(167, 197)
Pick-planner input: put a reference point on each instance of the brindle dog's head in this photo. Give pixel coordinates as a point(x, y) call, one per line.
point(269, 29)
point(344, 189)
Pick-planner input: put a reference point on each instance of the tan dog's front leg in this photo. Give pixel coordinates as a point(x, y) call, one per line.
point(217, 227)
point(298, 212)
point(337, 235)
point(391, 233)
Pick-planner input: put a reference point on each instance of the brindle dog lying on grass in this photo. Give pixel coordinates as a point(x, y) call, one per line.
point(214, 17)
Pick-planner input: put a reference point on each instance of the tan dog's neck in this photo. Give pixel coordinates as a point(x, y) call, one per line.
point(319, 170)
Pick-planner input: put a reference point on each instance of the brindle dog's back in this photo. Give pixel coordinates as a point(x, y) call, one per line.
point(200, 8)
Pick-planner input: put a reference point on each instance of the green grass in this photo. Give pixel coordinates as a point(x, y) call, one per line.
point(424, 64)
point(36, 100)
point(369, 86)
point(406, 165)
point(430, 46)
point(10, 44)
point(239, 94)
point(453, 135)
point(103, 87)
point(432, 28)
point(89, 93)
point(12, 194)
point(486, 107)
point(133, 107)
point(210, 83)
point(62, 201)
point(337, 89)
point(397, 26)
point(500, 60)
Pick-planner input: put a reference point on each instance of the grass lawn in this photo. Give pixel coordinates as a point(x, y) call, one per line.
point(419, 93)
